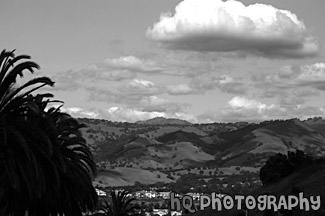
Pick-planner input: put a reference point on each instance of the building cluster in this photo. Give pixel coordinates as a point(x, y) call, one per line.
point(159, 195)
point(151, 194)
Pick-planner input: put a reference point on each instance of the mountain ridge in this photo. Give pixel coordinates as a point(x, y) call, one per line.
point(163, 121)
point(162, 149)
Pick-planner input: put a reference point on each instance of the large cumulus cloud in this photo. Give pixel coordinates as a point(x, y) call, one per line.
point(215, 25)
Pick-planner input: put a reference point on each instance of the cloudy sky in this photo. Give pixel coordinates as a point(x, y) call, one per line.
point(198, 60)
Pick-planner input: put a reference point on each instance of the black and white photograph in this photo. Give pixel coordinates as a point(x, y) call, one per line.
point(162, 108)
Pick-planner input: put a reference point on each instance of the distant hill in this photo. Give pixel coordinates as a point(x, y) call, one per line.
point(163, 121)
point(177, 146)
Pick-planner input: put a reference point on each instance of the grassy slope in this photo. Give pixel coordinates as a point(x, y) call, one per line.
point(122, 176)
point(317, 124)
point(309, 180)
point(270, 139)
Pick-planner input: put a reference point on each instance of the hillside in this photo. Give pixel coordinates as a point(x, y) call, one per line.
point(308, 180)
point(318, 124)
point(180, 148)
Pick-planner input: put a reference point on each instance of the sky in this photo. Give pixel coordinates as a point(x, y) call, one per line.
point(199, 60)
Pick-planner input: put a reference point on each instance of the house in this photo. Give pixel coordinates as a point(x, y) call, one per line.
point(100, 192)
point(160, 212)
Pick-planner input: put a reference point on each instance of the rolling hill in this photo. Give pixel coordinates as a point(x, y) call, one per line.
point(171, 145)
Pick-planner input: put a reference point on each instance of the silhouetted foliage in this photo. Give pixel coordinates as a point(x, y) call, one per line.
point(121, 205)
point(279, 166)
point(46, 168)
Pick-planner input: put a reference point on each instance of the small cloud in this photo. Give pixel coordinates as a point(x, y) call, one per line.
point(288, 72)
point(230, 26)
point(154, 103)
point(138, 88)
point(312, 76)
point(224, 83)
point(128, 93)
point(229, 85)
point(291, 100)
point(181, 89)
point(131, 63)
point(109, 70)
point(80, 112)
point(292, 85)
point(130, 115)
point(202, 84)
point(293, 76)
point(141, 83)
point(242, 103)
point(241, 109)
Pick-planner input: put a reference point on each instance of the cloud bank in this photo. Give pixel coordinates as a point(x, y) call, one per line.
point(121, 114)
point(230, 26)
point(202, 84)
point(133, 115)
point(241, 108)
point(299, 81)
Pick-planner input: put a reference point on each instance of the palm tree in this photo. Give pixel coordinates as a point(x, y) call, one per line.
point(46, 168)
point(121, 205)
point(76, 193)
point(20, 169)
